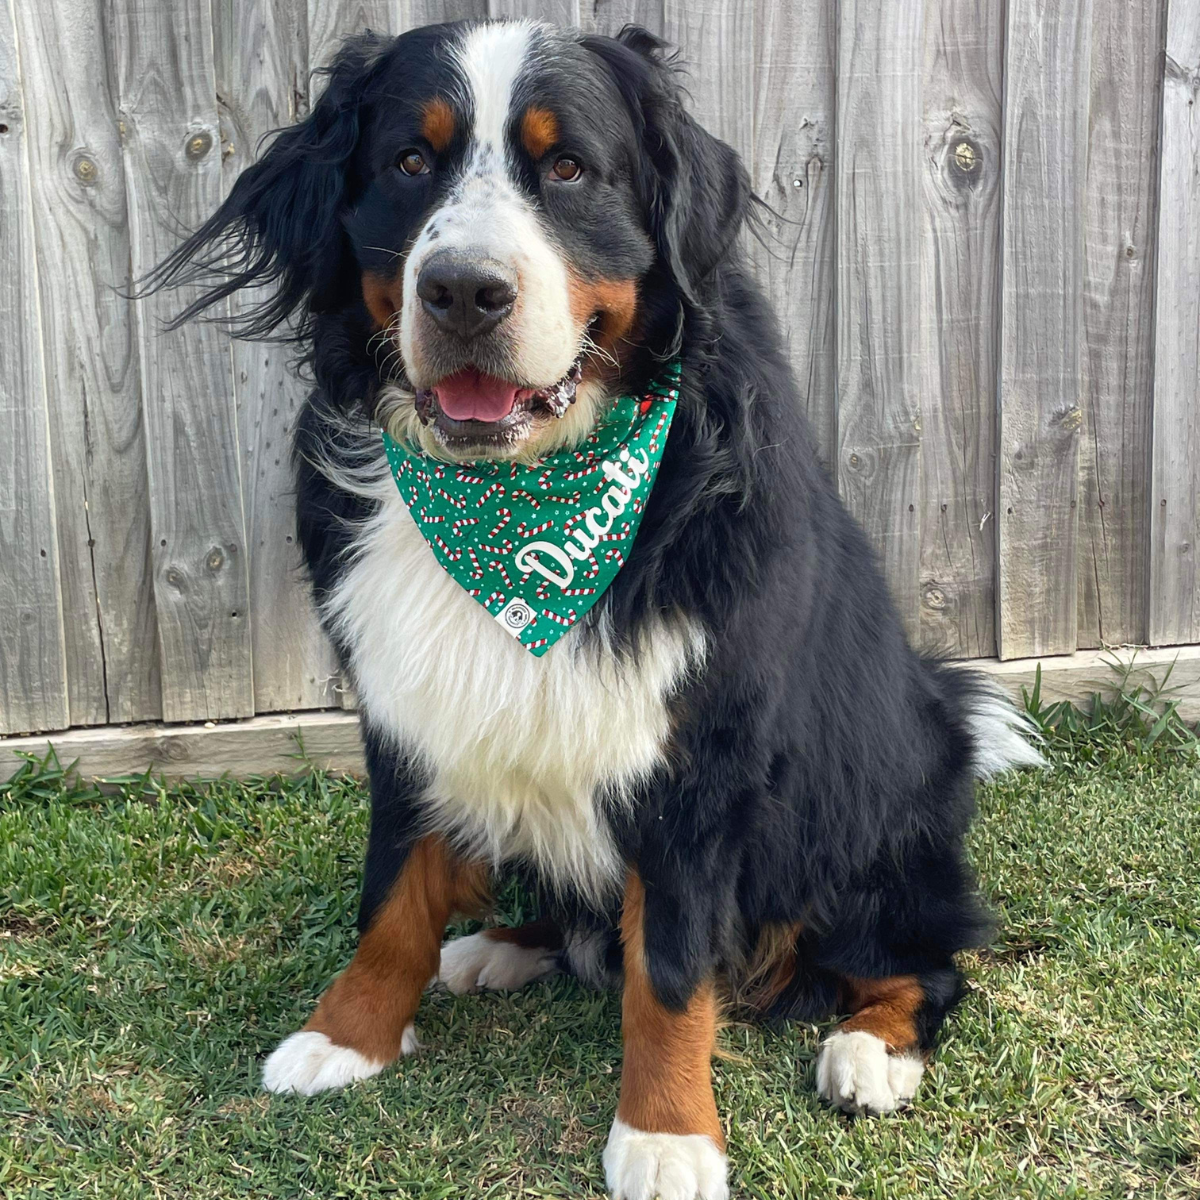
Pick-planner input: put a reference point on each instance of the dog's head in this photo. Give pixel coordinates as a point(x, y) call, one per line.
point(504, 213)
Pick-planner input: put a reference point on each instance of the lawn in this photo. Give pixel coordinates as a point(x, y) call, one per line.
point(155, 942)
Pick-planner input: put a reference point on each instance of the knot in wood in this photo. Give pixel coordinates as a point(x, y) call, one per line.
point(966, 157)
point(198, 145)
point(86, 170)
point(215, 559)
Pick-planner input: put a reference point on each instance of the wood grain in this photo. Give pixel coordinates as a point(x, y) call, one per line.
point(172, 163)
point(1175, 489)
point(557, 12)
point(878, 284)
point(716, 43)
point(1045, 156)
point(271, 745)
point(960, 262)
point(93, 384)
point(610, 16)
point(1118, 321)
point(262, 80)
point(33, 676)
point(792, 170)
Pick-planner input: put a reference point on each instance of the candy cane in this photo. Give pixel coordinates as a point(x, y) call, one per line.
point(463, 477)
point(523, 532)
point(537, 645)
point(611, 553)
point(476, 569)
point(496, 565)
point(457, 501)
point(530, 497)
point(505, 547)
point(494, 596)
point(570, 619)
point(505, 517)
point(430, 520)
point(495, 487)
point(453, 555)
point(579, 591)
point(457, 528)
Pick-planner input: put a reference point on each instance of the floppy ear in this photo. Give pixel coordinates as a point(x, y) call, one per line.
point(281, 224)
point(696, 190)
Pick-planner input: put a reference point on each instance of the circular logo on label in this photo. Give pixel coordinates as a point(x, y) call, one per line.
point(515, 615)
point(518, 616)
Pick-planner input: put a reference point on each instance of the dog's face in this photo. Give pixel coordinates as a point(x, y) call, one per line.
point(497, 217)
point(500, 236)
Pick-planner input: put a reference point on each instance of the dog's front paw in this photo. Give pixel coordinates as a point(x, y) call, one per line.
point(307, 1062)
point(856, 1073)
point(480, 963)
point(670, 1166)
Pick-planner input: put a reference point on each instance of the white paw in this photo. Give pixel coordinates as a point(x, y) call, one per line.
point(477, 963)
point(307, 1062)
point(856, 1073)
point(671, 1166)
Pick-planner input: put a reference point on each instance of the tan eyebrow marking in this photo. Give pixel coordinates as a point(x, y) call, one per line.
point(539, 131)
point(437, 123)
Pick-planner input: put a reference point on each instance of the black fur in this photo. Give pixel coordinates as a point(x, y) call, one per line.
point(823, 770)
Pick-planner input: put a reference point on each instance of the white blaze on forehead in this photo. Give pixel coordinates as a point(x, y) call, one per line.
point(487, 215)
point(492, 59)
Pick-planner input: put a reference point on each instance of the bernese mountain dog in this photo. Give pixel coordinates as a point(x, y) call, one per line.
point(731, 781)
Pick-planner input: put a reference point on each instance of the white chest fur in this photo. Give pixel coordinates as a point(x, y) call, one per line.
point(522, 752)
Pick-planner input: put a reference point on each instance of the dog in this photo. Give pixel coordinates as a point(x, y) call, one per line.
point(731, 780)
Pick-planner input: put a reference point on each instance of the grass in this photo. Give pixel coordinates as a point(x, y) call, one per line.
point(154, 942)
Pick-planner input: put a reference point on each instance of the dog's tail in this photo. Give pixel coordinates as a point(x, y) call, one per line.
point(1002, 736)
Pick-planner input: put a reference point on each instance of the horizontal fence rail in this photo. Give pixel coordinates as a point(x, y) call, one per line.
point(983, 244)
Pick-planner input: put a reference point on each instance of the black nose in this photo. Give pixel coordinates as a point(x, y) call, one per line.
point(466, 295)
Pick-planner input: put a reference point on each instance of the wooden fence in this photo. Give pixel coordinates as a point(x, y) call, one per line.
point(986, 255)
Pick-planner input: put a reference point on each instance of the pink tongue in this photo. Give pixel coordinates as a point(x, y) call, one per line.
point(470, 395)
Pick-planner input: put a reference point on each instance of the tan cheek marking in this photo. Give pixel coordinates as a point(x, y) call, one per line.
point(539, 131)
point(616, 302)
point(887, 1008)
point(369, 1004)
point(383, 297)
point(666, 1079)
point(437, 123)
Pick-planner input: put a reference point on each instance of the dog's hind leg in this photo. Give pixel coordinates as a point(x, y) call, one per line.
point(874, 1060)
point(501, 959)
point(365, 1018)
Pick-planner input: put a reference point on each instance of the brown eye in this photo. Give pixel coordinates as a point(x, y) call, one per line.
point(412, 162)
point(566, 169)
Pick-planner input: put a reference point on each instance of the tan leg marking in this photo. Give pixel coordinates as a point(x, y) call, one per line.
point(371, 1002)
point(886, 1008)
point(666, 1079)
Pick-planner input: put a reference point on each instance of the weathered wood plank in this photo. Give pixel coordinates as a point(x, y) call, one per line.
point(1045, 157)
point(331, 21)
point(33, 678)
point(1118, 321)
point(272, 745)
point(558, 12)
point(716, 44)
point(960, 261)
point(610, 16)
point(878, 191)
point(94, 389)
point(1175, 490)
point(261, 56)
point(792, 170)
point(172, 158)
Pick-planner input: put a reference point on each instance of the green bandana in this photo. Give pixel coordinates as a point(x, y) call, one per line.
point(538, 545)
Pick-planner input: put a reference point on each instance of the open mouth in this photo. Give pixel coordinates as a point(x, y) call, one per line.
point(470, 407)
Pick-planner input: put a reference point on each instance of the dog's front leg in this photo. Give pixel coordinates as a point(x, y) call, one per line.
point(667, 1140)
point(365, 1018)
